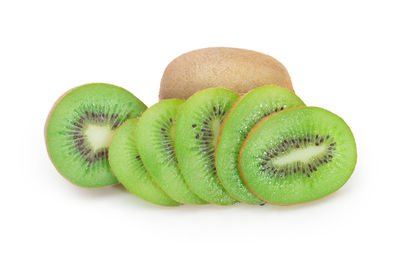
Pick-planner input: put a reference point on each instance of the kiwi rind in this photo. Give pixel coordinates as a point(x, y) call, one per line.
point(155, 142)
point(245, 114)
point(61, 129)
point(197, 127)
point(239, 70)
point(128, 167)
point(297, 187)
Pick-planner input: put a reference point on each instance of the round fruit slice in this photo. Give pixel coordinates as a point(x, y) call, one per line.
point(197, 127)
point(79, 131)
point(155, 142)
point(298, 155)
point(129, 169)
point(250, 109)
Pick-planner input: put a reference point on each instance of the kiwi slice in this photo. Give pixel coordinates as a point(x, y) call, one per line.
point(79, 131)
point(128, 167)
point(197, 128)
point(298, 155)
point(155, 142)
point(250, 109)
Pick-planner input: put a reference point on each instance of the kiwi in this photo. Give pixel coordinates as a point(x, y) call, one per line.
point(197, 127)
point(128, 167)
point(250, 109)
point(155, 142)
point(236, 69)
point(79, 129)
point(298, 155)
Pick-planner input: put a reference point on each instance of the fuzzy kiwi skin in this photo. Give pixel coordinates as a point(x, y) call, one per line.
point(106, 177)
point(239, 70)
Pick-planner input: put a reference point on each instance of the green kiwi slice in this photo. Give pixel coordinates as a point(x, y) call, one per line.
point(197, 127)
point(129, 169)
point(155, 142)
point(250, 109)
point(298, 155)
point(79, 131)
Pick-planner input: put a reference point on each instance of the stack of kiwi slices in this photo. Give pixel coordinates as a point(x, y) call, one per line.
point(214, 147)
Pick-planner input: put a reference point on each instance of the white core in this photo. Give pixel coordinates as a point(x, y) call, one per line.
point(300, 155)
point(99, 136)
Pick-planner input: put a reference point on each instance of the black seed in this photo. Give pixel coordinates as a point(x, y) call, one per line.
point(205, 122)
point(317, 144)
point(322, 140)
point(265, 114)
point(214, 109)
point(325, 161)
point(77, 125)
point(170, 119)
point(276, 110)
point(332, 144)
point(163, 129)
point(267, 159)
point(262, 204)
point(308, 175)
point(263, 163)
point(197, 136)
point(316, 137)
point(294, 170)
point(281, 108)
point(297, 146)
point(194, 125)
point(275, 153)
point(314, 168)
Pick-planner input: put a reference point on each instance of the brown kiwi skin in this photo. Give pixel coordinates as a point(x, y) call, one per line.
point(239, 70)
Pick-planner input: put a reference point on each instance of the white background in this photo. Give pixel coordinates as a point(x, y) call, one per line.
point(342, 55)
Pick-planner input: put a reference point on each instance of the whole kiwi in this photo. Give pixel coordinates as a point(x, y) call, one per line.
point(239, 70)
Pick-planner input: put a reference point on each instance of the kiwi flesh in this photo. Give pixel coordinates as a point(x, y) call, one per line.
point(251, 108)
point(298, 155)
point(79, 129)
point(128, 167)
point(239, 70)
point(197, 127)
point(155, 142)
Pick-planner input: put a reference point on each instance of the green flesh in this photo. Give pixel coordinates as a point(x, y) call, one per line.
point(197, 128)
point(254, 106)
point(129, 169)
point(323, 161)
point(155, 142)
point(80, 128)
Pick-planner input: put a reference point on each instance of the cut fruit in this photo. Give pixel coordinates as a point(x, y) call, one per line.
point(250, 109)
point(298, 155)
point(155, 142)
point(197, 128)
point(79, 130)
point(129, 169)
